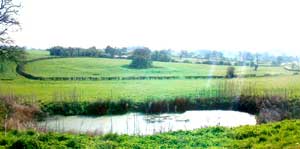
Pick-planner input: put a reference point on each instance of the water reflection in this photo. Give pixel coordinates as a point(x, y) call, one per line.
point(141, 124)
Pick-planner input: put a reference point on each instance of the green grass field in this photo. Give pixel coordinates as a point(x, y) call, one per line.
point(142, 89)
point(102, 67)
point(132, 89)
point(34, 54)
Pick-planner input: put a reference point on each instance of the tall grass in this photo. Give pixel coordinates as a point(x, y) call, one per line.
point(14, 115)
point(269, 105)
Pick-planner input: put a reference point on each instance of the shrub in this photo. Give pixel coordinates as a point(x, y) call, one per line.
point(141, 58)
point(74, 143)
point(25, 143)
point(230, 72)
point(272, 109)
point(187, 61)
point(246, 104)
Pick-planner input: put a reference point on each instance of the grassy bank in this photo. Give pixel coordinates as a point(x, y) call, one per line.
point(285, 134)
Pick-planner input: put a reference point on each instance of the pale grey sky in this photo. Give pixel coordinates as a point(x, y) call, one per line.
point(254, 25)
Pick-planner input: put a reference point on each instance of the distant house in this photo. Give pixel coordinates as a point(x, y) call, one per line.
point(121, 57)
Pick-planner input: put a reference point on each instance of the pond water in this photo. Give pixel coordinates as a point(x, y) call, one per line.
point(141, 124)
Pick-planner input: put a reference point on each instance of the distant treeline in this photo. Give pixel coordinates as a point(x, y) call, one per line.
point(203, 56)
point(108, 52)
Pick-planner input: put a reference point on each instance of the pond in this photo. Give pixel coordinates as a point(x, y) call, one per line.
point(142, 124)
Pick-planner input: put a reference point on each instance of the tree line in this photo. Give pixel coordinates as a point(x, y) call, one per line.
point(108, 52)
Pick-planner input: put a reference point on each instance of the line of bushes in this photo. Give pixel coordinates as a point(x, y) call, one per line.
point(272, 108)
point(20, 70)
point(104, 107)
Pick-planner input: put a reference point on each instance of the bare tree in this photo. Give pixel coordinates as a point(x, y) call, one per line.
point(8, 13)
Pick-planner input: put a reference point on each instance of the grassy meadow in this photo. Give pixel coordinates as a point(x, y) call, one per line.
point(145, 89)
point(34, 54)
point(103, 67)
point(136, 90)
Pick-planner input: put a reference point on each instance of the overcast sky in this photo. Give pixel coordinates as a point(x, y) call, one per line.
point(254, 25)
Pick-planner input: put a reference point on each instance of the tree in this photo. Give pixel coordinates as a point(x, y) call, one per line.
point(11, 54)
point(121, 52)
point(111, 51)
point(230, 72)
point(155, 56)
point(8, 13)
point(141, 58)
point(256, 64)
point(162, 55)
point(183, 54)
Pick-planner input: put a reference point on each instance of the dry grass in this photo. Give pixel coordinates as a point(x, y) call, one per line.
point(18, 116)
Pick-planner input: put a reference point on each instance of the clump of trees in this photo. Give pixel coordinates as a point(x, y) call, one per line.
point(141, 58)
point(162, 55)
point(72, 52)
point(11, 54)
point(230, 72)
point(108, 52)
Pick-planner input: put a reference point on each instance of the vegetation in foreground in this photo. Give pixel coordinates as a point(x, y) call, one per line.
point(285, 134)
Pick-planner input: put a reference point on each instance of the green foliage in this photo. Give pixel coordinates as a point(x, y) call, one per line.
point(23, 143)
point(111, 51)
point(90, 52)
point(187, 61)
point(9, 56)
point(12, 53)
point(285, 134)
point(162, 55)
point(75, 52)
point(141, 58)
point(230, 72)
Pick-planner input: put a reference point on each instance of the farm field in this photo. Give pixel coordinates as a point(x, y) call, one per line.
point(136, 90)
point(143, 89)
point(103, 67)
point(34, 54)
